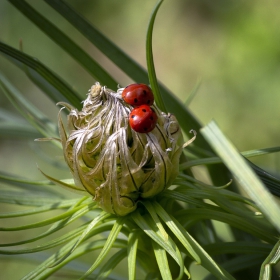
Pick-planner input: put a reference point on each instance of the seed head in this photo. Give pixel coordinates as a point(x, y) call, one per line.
point(111, 161)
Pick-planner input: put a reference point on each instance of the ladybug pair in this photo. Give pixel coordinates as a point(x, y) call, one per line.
point(142, 118)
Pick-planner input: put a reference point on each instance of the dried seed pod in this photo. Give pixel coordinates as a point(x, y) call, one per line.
point(111, 161)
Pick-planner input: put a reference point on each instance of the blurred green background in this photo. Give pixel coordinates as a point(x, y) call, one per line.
point(232, 46)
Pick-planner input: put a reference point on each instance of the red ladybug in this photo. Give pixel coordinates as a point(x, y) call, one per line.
point(138, 94)
point(143, 119)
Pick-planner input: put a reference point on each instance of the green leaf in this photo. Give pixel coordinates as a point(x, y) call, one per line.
point(66, 43)
point(35, 117)
point(184, 238)
point(193, 93)
point(49, 221)
point(272, 259)
point(243, 173)
point(69, 237)
point(101, 217)
point(107, 246)
point(55, 227)
point(206, 261)
point(193, 248)
point(168, 245)
point(37, 210)
point(106, 269)
point(247, 225)
point(44, 189)
point(132, 246)
point(162, 261)
point(12, 126)
point(45, 269)
point(58, 89)
point(150, 60)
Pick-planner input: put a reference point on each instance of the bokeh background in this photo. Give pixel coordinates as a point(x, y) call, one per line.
point(231, 46)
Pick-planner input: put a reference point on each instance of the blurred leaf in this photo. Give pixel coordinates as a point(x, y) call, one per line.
point(37, 210)
point(58, 89)
point(12, 125)
point(29, 112)
point(192, 93)
point(66, 43)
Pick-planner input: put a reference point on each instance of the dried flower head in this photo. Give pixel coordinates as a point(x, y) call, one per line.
point(111, 161)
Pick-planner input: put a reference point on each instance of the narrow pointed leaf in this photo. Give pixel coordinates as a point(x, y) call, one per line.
point(162, 261)
point(132, 246)
point(150, 60)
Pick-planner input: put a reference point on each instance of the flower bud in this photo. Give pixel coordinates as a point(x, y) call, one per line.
point(111, 161)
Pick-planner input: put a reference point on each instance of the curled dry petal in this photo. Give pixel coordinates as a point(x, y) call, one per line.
point(112, 162)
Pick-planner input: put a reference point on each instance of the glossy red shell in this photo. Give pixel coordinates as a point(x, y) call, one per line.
point(138, 94)
point(143, 119)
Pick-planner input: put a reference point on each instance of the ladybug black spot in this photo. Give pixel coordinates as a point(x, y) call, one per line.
point(133, 116)
point(145, 92)
point(151, 118)
point(144, 110)
point(135, 100)
point(149, 101)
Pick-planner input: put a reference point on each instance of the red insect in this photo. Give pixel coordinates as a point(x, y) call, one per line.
point(143, 119)
point(138, 94)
